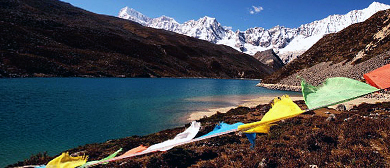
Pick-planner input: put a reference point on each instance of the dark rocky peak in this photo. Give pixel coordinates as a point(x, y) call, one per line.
point(269, 58)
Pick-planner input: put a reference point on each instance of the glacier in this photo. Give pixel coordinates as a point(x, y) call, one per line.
point(288, 43)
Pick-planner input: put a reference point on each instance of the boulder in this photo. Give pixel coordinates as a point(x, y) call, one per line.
point(341, 107)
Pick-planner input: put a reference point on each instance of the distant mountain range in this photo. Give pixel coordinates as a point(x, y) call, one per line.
point(52, 38)
point(288, 43)
point(351, 52)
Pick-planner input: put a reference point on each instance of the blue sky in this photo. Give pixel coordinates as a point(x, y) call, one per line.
point(238, 14)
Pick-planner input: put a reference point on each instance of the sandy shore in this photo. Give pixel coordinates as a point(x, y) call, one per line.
point(267, 99)
point(247, 103)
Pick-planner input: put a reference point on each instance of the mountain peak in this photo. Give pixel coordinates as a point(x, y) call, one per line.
point(208, 20)
point(378, 5)
point(375, 7)
point(127, 10)
point(269, 58)
point(166, 19)
point(133, 15)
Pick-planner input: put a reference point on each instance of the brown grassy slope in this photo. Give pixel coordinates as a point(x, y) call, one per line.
point(342, 46)
point(356, 138)
point(53, 38)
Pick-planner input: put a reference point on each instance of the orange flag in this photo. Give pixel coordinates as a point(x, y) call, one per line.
point(379, 78)
point(129, 153)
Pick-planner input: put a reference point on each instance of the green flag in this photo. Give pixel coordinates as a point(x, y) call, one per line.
point(334, 91)
point(104, 159)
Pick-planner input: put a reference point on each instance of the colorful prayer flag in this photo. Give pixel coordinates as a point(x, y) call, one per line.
point(334, 91)
point(379, 78)
point(183, 137)
point(101, 160)
point(251, 137)
point(133, 151)
point(259, 129)
point(282, 108)
point(129, 153)
point(66, 161)
point(222, 127)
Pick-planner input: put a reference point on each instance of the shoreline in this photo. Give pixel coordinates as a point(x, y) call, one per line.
point(251, 103)
point(262, 100)
point(280, 87)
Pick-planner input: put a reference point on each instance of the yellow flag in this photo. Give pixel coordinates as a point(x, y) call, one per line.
point(259, 129)
point(282, 108)
point(66, 161)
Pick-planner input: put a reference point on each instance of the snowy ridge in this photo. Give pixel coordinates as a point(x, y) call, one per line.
point(287, 42)
point(133, 15)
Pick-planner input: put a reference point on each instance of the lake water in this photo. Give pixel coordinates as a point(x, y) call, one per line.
point(55, 114)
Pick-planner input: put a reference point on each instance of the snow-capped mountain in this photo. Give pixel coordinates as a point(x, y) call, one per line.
point(287, 42)
point(132, 14)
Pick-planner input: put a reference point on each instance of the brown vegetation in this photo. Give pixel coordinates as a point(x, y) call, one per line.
point(356, 138)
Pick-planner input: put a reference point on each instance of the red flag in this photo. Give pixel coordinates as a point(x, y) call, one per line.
point(379, 78)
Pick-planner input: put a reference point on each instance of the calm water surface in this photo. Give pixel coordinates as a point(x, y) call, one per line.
point(55, 114)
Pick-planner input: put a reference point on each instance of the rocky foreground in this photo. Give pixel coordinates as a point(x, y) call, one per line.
point(324, 138)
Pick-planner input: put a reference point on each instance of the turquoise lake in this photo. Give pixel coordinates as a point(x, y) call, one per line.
point(55, 114)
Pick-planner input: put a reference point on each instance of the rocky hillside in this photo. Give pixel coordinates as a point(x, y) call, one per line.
point(351, 52)
point(268, 57)
point(53, 38)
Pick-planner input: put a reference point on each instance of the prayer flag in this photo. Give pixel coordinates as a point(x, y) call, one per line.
point(379, 78)
point(222, 127)
point(334, 91)
point(259, 129)
point(101, 160)
point(133, 151)
point(66, 161)
point(181, 138)
point(251, 133)
point(282, 108)
point(251, 137)
point(129, 153)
